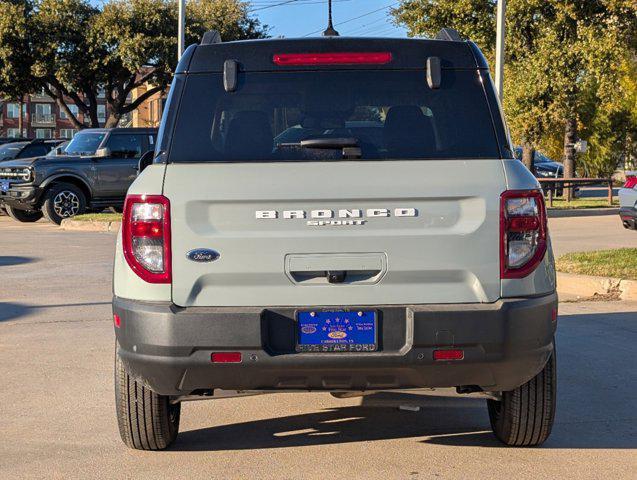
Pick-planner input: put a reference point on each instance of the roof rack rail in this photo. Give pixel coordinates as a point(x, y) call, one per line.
point(211, 37)
point(448, 34)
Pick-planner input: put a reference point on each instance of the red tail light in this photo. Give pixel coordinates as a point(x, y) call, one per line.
point(631, 182)
point(445, 355)
point(226, 357)
point(334, 58)
point(146, 237)
point(523, 237)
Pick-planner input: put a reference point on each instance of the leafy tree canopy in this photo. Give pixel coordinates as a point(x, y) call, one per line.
point(75, 50)
point(568, 62)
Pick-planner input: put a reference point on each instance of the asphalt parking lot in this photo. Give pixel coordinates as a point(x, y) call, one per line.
point(57, 405)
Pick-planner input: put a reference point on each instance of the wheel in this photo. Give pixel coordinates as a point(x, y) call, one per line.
point(524, 417)
point(24, 216)
point(146, 420)
point(63, 200)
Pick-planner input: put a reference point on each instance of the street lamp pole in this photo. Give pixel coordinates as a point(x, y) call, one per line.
point(181, 29)
point(499, 47)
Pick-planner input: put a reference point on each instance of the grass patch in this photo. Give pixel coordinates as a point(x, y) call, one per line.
point(99, 217)
point(620, 263)
point(561, 204)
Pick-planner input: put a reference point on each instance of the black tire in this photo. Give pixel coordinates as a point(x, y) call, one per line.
point(63, 200)
point(524, 417)
point(24, 216)
point(146, 420)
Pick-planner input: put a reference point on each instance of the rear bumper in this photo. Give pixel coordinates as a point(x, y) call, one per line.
point(169, 348)
point(629, 217)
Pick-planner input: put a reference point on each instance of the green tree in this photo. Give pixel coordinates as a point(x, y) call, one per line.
point(74, 50)
point(15, 74)
point(62, 58)
point(136, 43)
point(474, 19)
point(563, 70)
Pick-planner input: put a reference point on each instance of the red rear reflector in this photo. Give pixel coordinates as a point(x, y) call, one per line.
point(448, 355)
point(226, 357)
point(117, 321)
point(335, 58)
point(523, 224)
point(147, 229)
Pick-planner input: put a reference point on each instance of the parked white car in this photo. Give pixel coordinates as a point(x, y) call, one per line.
point(628, 201)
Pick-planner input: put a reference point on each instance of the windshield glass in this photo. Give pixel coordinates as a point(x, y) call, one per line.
point(541, 158)
point(9, 151)
point(85, 143)
point(59, 150)
point(538, 158)
point(390, 114)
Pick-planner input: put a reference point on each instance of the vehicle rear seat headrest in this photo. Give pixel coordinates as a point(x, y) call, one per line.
point(249, 136)
point(408, 132)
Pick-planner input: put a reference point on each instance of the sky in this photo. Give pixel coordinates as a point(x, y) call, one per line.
point(298, 18)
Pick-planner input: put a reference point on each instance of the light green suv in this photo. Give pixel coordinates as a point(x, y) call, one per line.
point(334, 214)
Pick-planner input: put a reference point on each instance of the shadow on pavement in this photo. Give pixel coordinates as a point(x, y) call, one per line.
point(13, 311)
point(345, 425)
point(10, 260)
point(597, 396)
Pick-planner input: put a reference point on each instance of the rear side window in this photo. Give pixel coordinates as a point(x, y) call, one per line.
point(393, 114)
point(34, 151)
point(124, 145)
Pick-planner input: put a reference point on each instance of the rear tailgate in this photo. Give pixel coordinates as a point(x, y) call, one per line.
point(438, 244)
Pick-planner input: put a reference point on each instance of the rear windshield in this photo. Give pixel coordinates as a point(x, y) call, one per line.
point(388, 114)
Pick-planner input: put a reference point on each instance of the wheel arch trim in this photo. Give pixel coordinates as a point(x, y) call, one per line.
point(72, 178)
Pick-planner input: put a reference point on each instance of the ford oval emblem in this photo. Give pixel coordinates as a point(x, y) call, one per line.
point(202, 255)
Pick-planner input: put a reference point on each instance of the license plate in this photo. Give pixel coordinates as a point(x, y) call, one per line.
point(337, 331)
point(4, 186)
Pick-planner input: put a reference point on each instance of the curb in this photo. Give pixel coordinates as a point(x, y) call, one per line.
point(587, 286)
point(92, 226)
point(582, 212)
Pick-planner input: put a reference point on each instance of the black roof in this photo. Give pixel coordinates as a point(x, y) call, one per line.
point(123, 130)
point(256, 55)
point(54, 141)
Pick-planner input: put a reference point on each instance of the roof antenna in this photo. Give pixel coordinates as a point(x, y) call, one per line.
point(329, 31)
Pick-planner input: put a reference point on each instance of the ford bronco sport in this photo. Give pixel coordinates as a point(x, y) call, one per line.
point(334, 214)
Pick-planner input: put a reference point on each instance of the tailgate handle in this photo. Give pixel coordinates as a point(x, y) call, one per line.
point(326, 269)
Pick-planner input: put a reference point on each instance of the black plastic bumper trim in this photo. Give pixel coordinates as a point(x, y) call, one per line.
point(167, 347)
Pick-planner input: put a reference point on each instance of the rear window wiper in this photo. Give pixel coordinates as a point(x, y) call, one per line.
point(349, 145)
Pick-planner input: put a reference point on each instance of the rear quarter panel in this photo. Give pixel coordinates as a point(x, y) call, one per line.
point(126, 283)
point(543, 279)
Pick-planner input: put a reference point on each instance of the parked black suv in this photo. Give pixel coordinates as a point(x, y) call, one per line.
point(27, 149)
point(94, 172)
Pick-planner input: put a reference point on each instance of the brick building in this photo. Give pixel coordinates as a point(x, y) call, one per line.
point(43, 118)
point(149, 113)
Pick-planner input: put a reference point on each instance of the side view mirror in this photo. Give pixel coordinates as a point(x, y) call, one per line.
point(145, 160)
point(103, 152)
